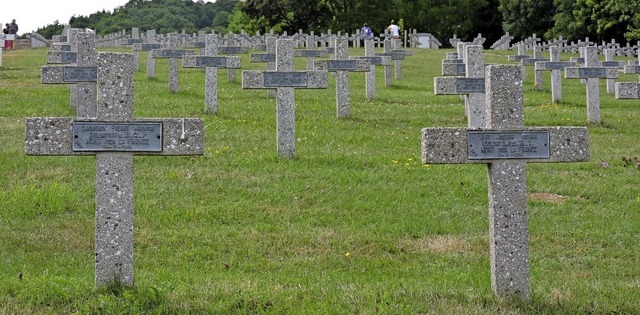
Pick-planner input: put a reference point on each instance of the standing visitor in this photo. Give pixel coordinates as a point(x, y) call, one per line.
point(7, 43)
point(13, 29)
point(394, 30)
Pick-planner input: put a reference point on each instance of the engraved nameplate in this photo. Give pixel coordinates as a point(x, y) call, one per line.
point(592, 72)
point(199, 44)
point(470, 85)
point(147, 47)
point(169, 53)
point(373, 60)
point(80, 74)
point(263, 57)
point(210, 61)
point(103, 136)
point(230, 50)
point(483, 145)
point(261, 47)
point(285, 79)
point(68, 57)
point(612, 64)
point(132, 41)
point(309, 53)
point(337, 65)
point(554, 65)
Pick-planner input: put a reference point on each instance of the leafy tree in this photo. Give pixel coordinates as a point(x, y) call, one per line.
point(522, 18)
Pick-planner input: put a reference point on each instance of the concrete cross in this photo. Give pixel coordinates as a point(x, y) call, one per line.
point(592, 72)
point(285, 80)
point(472, 85)
point(610, 63)
point(114, 136)
point(269, 57)
point(311, 52)
point(81, 77)
point(506, 145)
point(149, 45)
point(211, 62)
point(230, 49)
point(341, 65)
point(370, 76)
point(173, 54)
point(555, 66)
point(537, 57)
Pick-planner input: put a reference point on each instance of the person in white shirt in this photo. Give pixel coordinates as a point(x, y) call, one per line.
point(394, 30)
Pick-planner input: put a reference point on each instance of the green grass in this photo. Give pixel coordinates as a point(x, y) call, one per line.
point(355, 224)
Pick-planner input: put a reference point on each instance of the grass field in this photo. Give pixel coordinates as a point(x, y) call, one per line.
point(354, 224)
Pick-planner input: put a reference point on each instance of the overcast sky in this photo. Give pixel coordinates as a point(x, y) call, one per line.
point(33, 14)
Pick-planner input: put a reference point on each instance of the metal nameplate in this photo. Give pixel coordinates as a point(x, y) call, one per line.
point(470, 85)
point(612, 64)
point(80, 74)
point(199, 44)
point(285, 79)
point(372, 60)
point(337, 65)
point(170, 53)
point(592, 72)
point(68, 57)
point(210, 61)
point(309, 53)
point(230, 50)
point(557, 65)
point(132, 41)
point(261, 47)
point(486, 145)
point(263, 57)
point(110, 137)
point(63, 38)
point(147, 47)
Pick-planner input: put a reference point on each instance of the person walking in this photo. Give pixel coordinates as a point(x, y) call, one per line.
point(365, 32)
point(13, 29)
point(394, 30)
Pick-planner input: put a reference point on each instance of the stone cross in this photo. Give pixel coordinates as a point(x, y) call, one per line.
point(629, 90)
point(285, 80)
point(370, 76)
point(341, 65)
point(150, 43)
point(555, 66)
point(519, 57)
point(592, 72)
point(114, 136)
point(610, 63)
point(211, 62)
point(472, 85)
point(232, 50)
point(173, 54)
point(388, 71)
point(537, 56)
point(269, 57)
point(311, 52)
point(81, 77)
point(506, 145)
point(135, 39)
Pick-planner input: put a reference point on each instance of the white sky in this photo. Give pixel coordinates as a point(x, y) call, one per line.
point(33, 14)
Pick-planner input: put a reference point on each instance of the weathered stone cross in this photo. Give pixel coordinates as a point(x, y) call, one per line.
point(341, 65)
point(555, 66)
point(629, 90)
point(114, 137)
point(506, 145)
point(173, 54)
point(82, 76)
point(592, 72)
point(211, 62)
point(285, 80)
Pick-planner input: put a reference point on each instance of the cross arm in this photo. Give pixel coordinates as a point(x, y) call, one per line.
point(255, 79)
point(229, 62)
point(54, 136)
point(451, 145)
point(359, 65)
point(458, 85)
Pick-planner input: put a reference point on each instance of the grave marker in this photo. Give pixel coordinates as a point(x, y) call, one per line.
point(269, 57)
point(173, 54)
point(285, 80)
point(341, 65)
point(592, 72)
point(114, 136)
point(211, 63)
point(370, 76)
point(610, 63)
point(472, 85)
point(506, 145)
point(555, 66)
point(629, 90)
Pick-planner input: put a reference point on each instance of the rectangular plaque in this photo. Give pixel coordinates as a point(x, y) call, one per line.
point(199, 44)
point(309, 53)
point(470, 85)
point(592, 72)
point(147, 47)
point(263, 57)
point(613, 64)
point(486, 145)
point(110, 137)
point(80, 74)
point(285, 79)
point(211, 61)
point(393, 55)
point(346, 65)
point(231, 50)
point(68, 57)
point(554, 65)
point(260, 47)
point(65, 47)
point(132, 41)
point(169, 53)
point(373, 60)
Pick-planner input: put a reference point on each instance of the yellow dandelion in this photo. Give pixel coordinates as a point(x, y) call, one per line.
point(347, 254)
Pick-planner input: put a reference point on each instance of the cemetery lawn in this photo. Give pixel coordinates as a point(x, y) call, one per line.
point(354, 224)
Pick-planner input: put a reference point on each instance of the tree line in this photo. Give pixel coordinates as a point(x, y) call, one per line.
point(572, 19)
